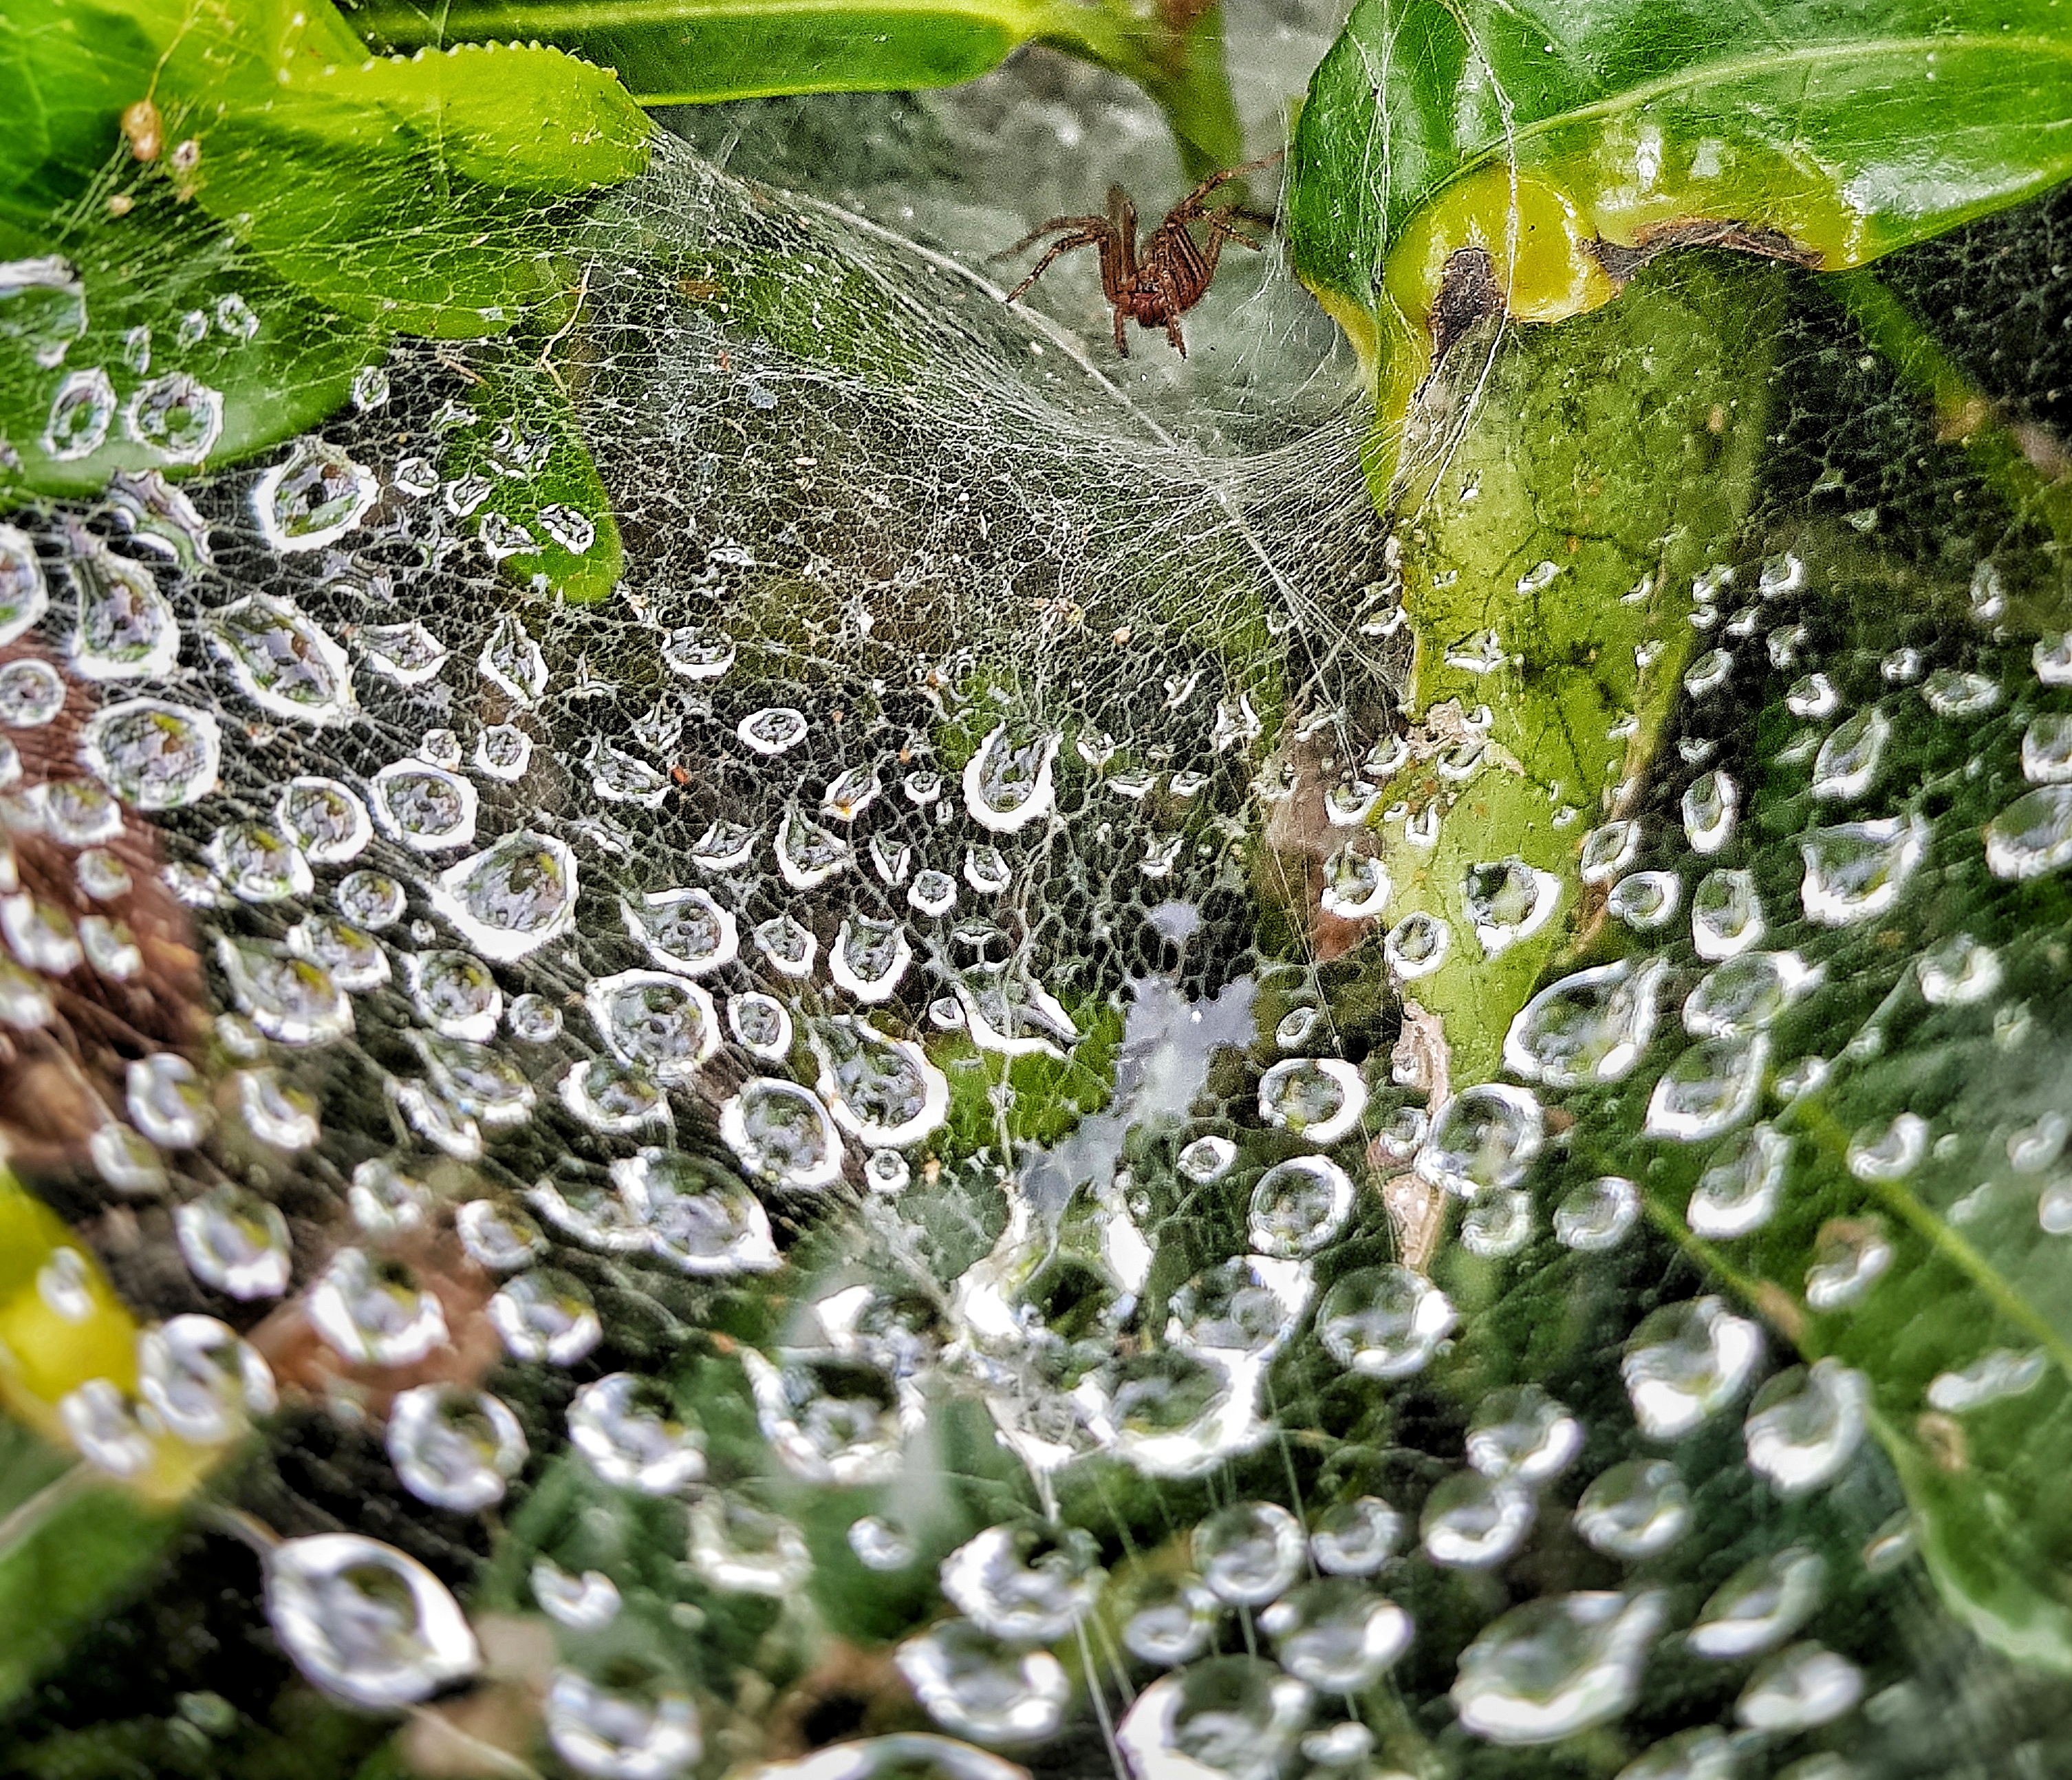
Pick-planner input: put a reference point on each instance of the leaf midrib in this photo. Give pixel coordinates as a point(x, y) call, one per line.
point(574, 17)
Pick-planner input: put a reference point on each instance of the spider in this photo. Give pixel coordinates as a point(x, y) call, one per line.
point(1173, 273)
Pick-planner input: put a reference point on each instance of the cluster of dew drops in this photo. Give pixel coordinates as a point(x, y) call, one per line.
point(179, 702)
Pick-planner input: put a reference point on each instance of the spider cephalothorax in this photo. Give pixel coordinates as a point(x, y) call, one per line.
point(1155, 287)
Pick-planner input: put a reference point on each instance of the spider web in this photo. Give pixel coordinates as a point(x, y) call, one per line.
point(917, 519)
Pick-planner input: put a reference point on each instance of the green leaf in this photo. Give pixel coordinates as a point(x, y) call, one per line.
point(695, 51)
point(1539, 131)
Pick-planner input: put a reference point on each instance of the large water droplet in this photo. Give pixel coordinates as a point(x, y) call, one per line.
point(365, 1623)
point(1557, 1666)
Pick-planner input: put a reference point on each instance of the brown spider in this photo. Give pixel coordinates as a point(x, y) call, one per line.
point(1173, 273)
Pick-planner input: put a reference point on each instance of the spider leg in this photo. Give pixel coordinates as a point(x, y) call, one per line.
point(1220, 230)
point(1073, 225)
point(1085, 238)
point(1122, 345)
point(1172, 333)
point(1191, 205)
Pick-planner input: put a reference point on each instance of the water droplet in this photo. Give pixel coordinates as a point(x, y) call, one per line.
point(1416, 945)
point(32, 694)
point(883, 1546)
point(1738, 1192)
point(235, 1241)
point(626, 1427)
point(1608, 851)
point(1355, 1538)
point(1591, 1027)
point(774, 731)
point(647, 1732)
point(587, 1603)
point(1992, 1378)
point(1336, 1634)
point(783, 1133)
point(282, 661)
point(510, 661)
point(508, 902)
point(869, 958)
point(374, 1312)
point(695, 651)
point(1520, 1432)
point(42, 304)
point(975, 1685)
point(1889, 1154)
point(1557, 1666)
point(1298, 1205)
point(292, 1001)
point(1597, 1215)
point(177, 416)
point(655, 1022)
point(1685, 1363)
point(545, 1316)
point(1858, 869)
point(1712, 807)
point(1384, 1322)
point(1484, 1138)
point(1847, 764)
point(1804, 1424)
point(1318, 1100)
point(1225, 1718)
point(1798, 1688)
point(1645, 900)
point(2032, 835)
point(1709, 1089)
point(200, 1380)
point(167, 1102)
point(1356, 885)
point(313, 498)
point(453, 1448)
point(1471, 1522)
point(1638, 1507)
point(429, 808)
point(1207, 1159)
point(808, 855)
point(1507, 902)
point(80, 416)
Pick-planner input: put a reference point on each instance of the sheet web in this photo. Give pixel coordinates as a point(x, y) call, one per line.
point(844, 1040)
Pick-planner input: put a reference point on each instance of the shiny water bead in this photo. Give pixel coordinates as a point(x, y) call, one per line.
point(976, 1685)
point(1249, 1553)
point(808, 855)
point(152, 755)
point(1557, 1666)
point(1520, 1432)
point(2032, 835)
point(1738, 1192)
point(1685, 1363)
point(503, 752)
point(587, 1603)
point(590, 1212)
point(324, 819)
point(1747, 992)
point(1355, 1538)
point(2046, 748)
point(1798, 1688)
point(408, 654)
point(773, 731)
point(533, 1019)
point(32, 694)
point(512, 661)
point(1299, 1206)
point(24, 592)
point(1597, 1215)
point(932, 893)
point(275, 1113)
point(626, 1428)
point(1847, 764)
point(1023, 1586)
point(868, 959)
point(1485, 1137)
point(1889, 1153)
point(1994, 1376)
point(1167, 1618)
point(1319, 1100)
point(649, 1732)
point(1638, 1507)
point(385, 1202)
point(618, 777)
point(1471, 1522)
point(292, 1001)
point(1591, 1027)
point(682, 930)
point(655, 1021)
point(1507, 902)
point(884, 1092)
point(1804, 1424)
point(612, 1100)
point(723, 846)
point(124, 627)
point(39, 934)
point(235, 1241)
point(1711, 811)
point(829, 1419)
point(1356, 885)
point(1336, 1634)
point(80, 812)
point(428, 808)
point(698, 651)
point(102, 876)
point(1709, 1089)
point(1384, 1322)
point(365, 1623)
point(1645, 900)
point(1956, 692)
point(355, 960)
point(1856, 870)
point(987, 871)
point(281, 660)
point(1416, 945)
point(1849, 1256)
point(101, 1420)
point(1499, 1223)
point(370, 899)
point(695, 1220)
point(1760, 1605)
point(1245, 1307)
point(545, 1316)
point(784, 1134)
point(374, 1312)
point(257, 863)
point(500, 1238)
point(1726, 915)
point(1702, 1754)
point(760, 1024)
point(454, 1448)
point(511, 900)
point(455, 994)
point(1207, 1159)
point(200, 1381)
point(167, 1102)
point(313, 498)
point(1224, 1718)
point(882, 1545)
point(1608, 851)
point(1007, 782)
